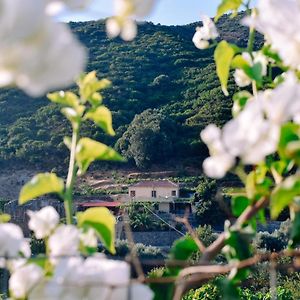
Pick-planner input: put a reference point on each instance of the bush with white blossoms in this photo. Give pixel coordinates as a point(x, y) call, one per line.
point(260, 145)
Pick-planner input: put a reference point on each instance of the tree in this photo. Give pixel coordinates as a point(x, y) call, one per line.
point(208, 208)
point(149, 139)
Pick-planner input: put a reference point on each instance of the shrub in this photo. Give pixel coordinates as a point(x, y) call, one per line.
point(143, 251)
point(275, 241)
point(206, 234)
point(208, 208)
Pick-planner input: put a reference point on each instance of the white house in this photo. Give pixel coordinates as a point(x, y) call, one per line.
point(159, 189)
point(162, 192)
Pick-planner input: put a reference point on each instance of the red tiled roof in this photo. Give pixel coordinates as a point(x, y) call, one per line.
point(156, 183)
point(99, 204)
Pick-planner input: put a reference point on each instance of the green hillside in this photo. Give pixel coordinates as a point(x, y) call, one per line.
point(160, 70)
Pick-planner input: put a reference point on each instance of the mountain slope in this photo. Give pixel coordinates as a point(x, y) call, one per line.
point(161, 70)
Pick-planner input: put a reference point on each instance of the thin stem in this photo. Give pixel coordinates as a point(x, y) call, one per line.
point(68, 201)
point(251, 40)
point(254, 89)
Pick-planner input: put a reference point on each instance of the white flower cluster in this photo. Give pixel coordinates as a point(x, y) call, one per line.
point(73, 277)
point(36, 53)
point(279, 21)
point(92, 278)
point(254, 133)
point(12, 245)
point(205, 33)
point(125, 10)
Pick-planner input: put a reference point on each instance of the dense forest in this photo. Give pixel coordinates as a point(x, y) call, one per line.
point(164, 91)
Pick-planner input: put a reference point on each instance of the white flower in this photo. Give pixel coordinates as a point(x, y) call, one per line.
point(205, 33)
point(89, 238)
point(93, 278)
point(64, 241)
point(211, 134)
point(56, 6)
point(123, 24)
point(199, 42)
point(141, 291)
point(283, 103)
point(255, 132)
point(12, 243)
point(20, 20)
point(220, 161)
point(43, 222)
point(250, 136)
point(241, 78)
point(127, 28)
point(296, 118)
point(24, 279)
point(36, 53)
point(138, 8)
point(279, 21)
point(217, 166)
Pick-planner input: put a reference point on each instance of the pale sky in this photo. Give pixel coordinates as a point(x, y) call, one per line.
point(167, 12)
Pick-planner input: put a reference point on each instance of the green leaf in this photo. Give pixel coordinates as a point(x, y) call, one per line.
point(102, 117)
point(228, 5)
point(68, 142)
point(40, 261)
point(228, 289)
point(239, 62)
point(284, 194)
point(239, 204)
point(72, 115)
point(293, 151)
point(4, 218)
point(280, 168)
point(269, 52)
point(253, 72)
point(295, 231)
point(183, 248)
point(260, 173)
point(257, 184)
point(103, 222)
point(88, 150)
point(89, 85)
point(240, 100)
point(40, 185)
point(239, 243)
point(224, 54)
point(251, 185)
point(289, 133)
point(261, 216)
point(239, 248)
point(64, 98)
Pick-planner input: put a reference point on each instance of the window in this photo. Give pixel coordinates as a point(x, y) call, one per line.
point(173, 193)
point(132, 193)
point(153, 194)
